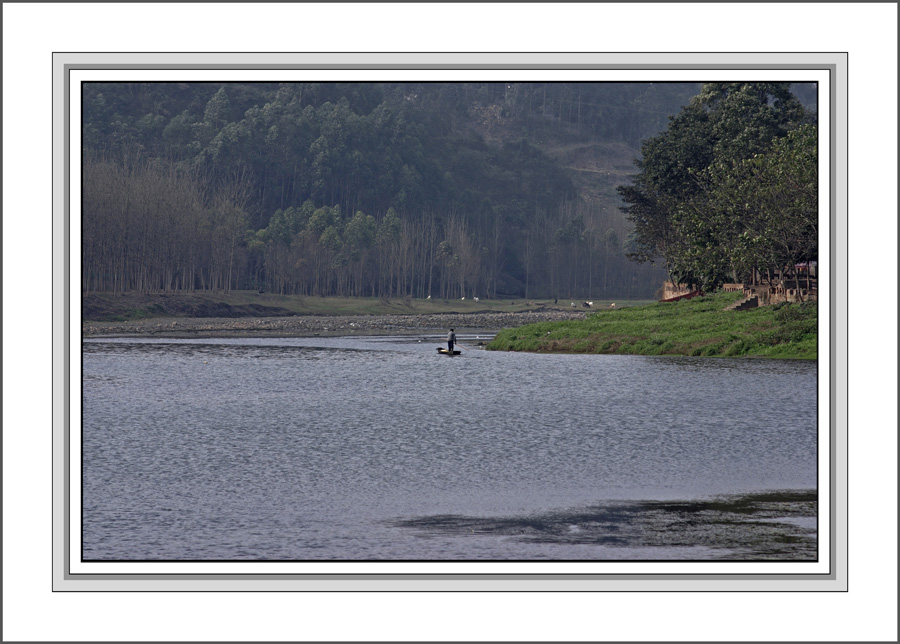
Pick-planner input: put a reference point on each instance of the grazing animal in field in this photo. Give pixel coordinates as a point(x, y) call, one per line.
point(587, 305)
point(476, 299)
point(613, 305)
point(428, 298)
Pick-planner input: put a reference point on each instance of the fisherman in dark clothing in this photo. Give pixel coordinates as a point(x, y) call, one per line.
point(451, 340)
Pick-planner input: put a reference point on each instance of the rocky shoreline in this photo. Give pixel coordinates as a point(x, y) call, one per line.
point(307, 325)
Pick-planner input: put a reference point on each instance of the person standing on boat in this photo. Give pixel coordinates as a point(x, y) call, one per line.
point(451, 340)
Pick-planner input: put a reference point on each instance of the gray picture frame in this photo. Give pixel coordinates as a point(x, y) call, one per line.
point(64, 579)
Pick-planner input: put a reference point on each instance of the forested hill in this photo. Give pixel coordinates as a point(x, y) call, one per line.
point(390, 189)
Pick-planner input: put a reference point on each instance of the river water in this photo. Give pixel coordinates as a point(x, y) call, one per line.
point(379, 448)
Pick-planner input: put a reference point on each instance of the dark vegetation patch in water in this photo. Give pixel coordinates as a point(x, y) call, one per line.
point(186, 350)
point(754, 527)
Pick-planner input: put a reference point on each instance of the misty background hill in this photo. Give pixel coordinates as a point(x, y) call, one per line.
point(378, 189)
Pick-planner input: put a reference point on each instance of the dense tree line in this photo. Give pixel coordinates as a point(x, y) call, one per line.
point(385, 189)
point(729, 191)
point(152, 226)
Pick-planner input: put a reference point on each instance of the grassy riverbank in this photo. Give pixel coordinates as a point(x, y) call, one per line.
point(113, 307)
point(697, 327)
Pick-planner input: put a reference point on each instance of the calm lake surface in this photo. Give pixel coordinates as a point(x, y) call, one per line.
point(378, 448)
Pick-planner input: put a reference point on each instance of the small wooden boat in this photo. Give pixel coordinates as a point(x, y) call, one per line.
point(446, 352)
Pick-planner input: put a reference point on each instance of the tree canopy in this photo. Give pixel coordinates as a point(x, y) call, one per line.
point(729, 188)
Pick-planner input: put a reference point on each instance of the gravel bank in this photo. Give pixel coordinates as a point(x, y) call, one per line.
point(306, 325)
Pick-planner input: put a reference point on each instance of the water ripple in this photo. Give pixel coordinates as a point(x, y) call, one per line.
point(307, 448)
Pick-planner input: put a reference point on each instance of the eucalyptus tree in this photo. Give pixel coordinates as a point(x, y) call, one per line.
point(359, 238)
point(387, 238)
point(323, 232)
point(231, 204)
point(567, 239)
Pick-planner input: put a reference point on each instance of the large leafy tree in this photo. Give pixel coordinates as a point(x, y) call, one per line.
point(772, 200)
point(669, 202)
point(753, 214)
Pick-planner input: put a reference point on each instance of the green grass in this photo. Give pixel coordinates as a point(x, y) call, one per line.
point(696, 327)
point(333, 305)
point(98, 307)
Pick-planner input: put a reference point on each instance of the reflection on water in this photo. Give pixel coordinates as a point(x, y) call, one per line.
point(333, 448)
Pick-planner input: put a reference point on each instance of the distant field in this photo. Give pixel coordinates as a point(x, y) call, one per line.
point(109, 307)
point(697, 327)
